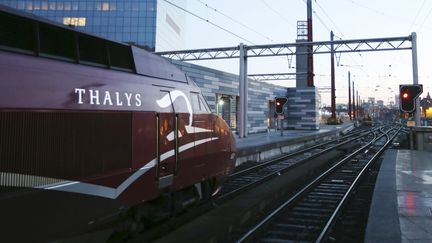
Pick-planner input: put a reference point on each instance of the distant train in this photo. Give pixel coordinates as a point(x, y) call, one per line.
point(368, 121)
point(93, 131)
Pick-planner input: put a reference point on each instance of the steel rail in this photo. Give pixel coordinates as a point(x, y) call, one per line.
point(232, 193)
point(305, 189)
point(336, 212)
point(297, 152)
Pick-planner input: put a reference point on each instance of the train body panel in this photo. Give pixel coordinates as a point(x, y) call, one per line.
point(82, 144)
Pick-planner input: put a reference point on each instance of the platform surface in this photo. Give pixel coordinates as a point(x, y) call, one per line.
point(260, 139)
point(401, 209)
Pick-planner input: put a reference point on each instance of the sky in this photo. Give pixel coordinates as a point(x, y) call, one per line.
point(376, 74)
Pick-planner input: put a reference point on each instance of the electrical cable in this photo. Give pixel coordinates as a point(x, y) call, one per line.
point(278, 14)
point(236, 21)
point(418, 13)
point(328, 16)
point(208, 21)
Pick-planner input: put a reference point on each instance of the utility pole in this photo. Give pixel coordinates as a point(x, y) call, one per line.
point(353, 94)
point(310, 78)
point(360, 103)
point(349, 95)
point(358, 106)
point(332, 71)
point(243, 92)
point(415, 76)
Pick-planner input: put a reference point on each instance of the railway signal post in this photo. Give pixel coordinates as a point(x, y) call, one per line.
point(279, 109)
point(408, 95)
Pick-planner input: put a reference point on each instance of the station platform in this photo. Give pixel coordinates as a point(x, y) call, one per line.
point(263, 146)
point(401, 209)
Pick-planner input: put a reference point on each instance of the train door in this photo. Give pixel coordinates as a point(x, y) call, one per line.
point(166, 139)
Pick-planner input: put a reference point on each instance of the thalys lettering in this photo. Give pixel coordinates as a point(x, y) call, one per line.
point(98, 97)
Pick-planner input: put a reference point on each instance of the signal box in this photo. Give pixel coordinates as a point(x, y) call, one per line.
point(279, 104)
point(408, 95)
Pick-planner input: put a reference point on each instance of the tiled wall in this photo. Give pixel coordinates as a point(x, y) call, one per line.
point(214, 82)
point(301, 110)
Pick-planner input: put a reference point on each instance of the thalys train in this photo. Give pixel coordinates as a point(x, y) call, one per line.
point(94, 131)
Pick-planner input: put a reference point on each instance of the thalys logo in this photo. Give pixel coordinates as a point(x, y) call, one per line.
point(97, 97)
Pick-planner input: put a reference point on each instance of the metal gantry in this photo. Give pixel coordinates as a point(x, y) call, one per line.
point(319, 47)
point(274, 76)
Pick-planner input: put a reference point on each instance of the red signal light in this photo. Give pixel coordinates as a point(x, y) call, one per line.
point(409, 94)
point(279, 104)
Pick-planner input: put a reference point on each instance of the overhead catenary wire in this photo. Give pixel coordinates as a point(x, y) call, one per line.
point(397, 59)
point(245, 26)
point(418, 13)
point(427, 16)
point(398, 18)
point(331, 20)
point(278, 14)
point(235, 21)
point(208, 21)
point(319, 18)
point(328, 28)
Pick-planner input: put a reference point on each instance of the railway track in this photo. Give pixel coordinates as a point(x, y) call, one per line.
point(309, 215)
point(248, 178)
point(257, 174)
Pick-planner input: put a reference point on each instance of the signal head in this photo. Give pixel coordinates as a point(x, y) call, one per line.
point(279, 104)
point(408, 95)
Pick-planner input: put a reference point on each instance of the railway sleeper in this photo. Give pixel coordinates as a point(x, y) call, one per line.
point(332, 185)
point(312, 209)
point(295, 227)
point(308, 215)
point(318, 200)
point(288, 236)
point(276, 240)
point(333, 195)
point(324, 197)
point(329, 190)
point(315, 204)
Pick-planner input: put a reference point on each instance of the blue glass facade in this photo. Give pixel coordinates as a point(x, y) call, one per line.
point(132, 21)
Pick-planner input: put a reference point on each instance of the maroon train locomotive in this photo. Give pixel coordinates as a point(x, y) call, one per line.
point(92, 130)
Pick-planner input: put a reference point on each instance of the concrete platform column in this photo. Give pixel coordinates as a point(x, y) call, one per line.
point(302, 109)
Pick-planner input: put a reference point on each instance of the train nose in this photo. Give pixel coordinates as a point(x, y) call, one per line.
point(229, 140)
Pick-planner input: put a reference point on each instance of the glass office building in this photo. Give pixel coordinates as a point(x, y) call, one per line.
point(131, 21)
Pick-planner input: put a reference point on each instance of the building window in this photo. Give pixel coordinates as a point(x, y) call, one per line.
point(52, 6)
point(67, 6)
point(29, 5)
point(36, 5)
point(103, 6)
point(74, 21)
point(226, 107)
point(44, 5)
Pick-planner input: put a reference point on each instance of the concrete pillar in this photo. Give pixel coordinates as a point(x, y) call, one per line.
point(415, 76)
point(243, 93)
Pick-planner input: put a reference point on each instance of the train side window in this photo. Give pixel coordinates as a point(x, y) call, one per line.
point(17, 33)
point(195, 102)
point(121, 56)
point(203, 104)
point(57, 41)
point(92, 50)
